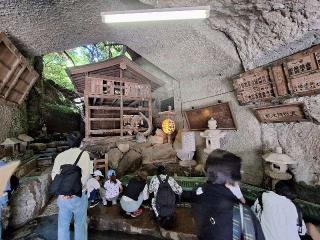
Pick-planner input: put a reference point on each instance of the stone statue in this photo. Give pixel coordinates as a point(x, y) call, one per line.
point(213, 136)
point(133, 122)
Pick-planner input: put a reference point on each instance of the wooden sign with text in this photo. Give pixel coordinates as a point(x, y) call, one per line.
point(282, 113)
point(303, 72)
point(254, 86)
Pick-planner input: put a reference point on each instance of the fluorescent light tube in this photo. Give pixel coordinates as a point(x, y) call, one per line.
point(163, 14)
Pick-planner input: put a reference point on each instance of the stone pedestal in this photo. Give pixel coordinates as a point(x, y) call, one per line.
point(212, 136)
point(277, 176)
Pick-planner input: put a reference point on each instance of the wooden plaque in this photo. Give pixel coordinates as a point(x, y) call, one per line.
point(296, 75)
point(317, 56)
point(305, 84)
point(254, 86)
point(299, 64)
point(303, 72)
point(282, 113)
point(197, 119)
point(279, 80)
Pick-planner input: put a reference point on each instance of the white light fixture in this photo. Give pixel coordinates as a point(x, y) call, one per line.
point(163, 14)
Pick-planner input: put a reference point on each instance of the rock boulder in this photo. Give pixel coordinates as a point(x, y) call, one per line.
point(30, 198)
point(160, 153)
point(155, 140)
point(123, 146)
point(140, 146)
point(38, 146)
point(114, 157)
point(130, 162)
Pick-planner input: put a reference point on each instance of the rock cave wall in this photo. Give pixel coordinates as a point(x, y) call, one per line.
point(200, 56)
point(299, 140)
point(13, 120)
point(261, 32)
point(203, 84)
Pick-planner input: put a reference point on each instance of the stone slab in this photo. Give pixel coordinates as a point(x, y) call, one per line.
point(26, 167)
point(185, 226)
point(109, 218)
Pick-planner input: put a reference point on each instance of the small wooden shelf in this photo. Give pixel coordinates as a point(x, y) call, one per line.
point(118, 97)
point(104, 119)
point(143, 109)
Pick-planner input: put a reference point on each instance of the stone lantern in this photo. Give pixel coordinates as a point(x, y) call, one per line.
point(278, 165)
point(25, 141)
point(213, 136)
point(11, 146)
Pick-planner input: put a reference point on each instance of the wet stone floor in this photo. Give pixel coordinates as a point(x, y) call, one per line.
point(45, 228)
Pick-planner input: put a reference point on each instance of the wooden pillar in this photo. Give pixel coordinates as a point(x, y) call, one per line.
point(106, 163)
point(150, 109)
point(87, 118)
point(121, 104)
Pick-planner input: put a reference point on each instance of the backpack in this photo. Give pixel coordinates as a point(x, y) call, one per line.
point(68, 182)
point(299, 212)
point(165, 199)
point(246, 224)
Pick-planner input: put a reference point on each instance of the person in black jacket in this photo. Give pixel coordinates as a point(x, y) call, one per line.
point(218, 212)
point(134, 194)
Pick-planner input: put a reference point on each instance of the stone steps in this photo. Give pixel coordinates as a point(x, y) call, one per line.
point(109, 219)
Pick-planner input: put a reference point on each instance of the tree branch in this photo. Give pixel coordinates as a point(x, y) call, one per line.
point(69, 57)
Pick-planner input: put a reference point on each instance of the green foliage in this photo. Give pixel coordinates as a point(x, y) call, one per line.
point(61, 108)
point(54, 69)
point(56, 63)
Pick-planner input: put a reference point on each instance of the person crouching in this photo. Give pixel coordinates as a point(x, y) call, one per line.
point(134, 194)
point(93, 188)
point(113, 187)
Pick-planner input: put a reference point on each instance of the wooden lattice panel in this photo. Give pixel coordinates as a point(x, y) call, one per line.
point(113, 106)
point(296, 75)
point(108, 86)
point(17, 76)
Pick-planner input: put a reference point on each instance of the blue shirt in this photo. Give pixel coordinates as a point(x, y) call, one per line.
point(8, 187)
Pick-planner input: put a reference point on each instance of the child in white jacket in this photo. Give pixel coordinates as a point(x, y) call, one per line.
point(113, 187)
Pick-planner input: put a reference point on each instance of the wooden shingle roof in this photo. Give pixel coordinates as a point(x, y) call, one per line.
point(112, 68)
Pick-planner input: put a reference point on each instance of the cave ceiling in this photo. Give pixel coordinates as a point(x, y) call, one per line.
point(239, 34)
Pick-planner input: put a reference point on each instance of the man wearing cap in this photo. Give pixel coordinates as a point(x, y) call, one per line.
point(93, 188)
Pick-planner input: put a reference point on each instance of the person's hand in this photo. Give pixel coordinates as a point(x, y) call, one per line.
point(65, 197)
point(235, 189)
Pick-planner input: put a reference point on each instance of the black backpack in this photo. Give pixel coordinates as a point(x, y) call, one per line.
point(166, 199)
point(68, 182)
point(299, 211)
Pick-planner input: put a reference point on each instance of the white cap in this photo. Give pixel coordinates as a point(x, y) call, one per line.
point(97, 173)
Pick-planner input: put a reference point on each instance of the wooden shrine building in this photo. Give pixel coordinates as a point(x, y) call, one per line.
point(117, 97)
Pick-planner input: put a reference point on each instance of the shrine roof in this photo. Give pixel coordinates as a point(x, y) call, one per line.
point(111, 67)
